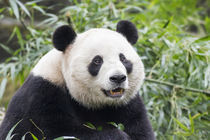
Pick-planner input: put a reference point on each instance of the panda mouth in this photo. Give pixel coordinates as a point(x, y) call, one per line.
point(114, 93)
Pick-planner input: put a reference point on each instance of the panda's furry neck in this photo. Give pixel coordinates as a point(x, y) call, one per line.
point(49, 67)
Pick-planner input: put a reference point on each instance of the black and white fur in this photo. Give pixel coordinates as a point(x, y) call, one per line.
point(67, 89)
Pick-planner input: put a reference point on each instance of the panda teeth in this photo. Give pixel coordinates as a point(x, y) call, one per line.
point(116, 92)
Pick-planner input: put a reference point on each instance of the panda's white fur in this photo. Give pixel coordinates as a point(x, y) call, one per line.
point(71, 68)
point(49, 67)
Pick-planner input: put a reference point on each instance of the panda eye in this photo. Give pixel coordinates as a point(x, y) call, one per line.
point(122, 58)
point(98, 60)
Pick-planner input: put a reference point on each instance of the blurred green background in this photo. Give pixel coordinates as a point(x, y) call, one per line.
point(174, 44)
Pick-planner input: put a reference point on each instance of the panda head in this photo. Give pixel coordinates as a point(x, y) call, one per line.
point(100, 67)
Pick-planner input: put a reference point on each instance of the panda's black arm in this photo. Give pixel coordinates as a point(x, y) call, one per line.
point(133, 116)
point(138, 126)
point(139, 130)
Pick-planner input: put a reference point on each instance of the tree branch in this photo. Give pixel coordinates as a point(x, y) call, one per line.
point(177, 86)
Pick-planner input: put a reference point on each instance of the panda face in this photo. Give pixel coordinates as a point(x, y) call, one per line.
point(101, 68)
point(117, 79)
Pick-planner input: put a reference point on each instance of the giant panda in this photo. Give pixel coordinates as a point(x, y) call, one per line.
point(93, 77)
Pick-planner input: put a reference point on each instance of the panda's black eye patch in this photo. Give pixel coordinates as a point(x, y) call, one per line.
point(127, 63)
point(97, 60)
point(95, 65)
point(122, 58)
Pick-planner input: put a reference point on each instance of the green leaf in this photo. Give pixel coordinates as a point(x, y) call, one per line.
point(183, 133)
point(20, 38)
point(13, 4)
point(9, 135)
point(6, 48)
point(66, 138)
point(168, 22)
point(199, 115)
point(12, 71)
point(38, 8)
point(1, 10)
point(12, 35)
point(90, 125)
point(33, 136)
point(60, 138)
point(206, 38)
point(23, 137)
point(33, 2)
point(121, 127)
point(191, 124)
point(23, 8)
point(181, 125)
point(114, 124)
point(2, 87)
point(52, 19)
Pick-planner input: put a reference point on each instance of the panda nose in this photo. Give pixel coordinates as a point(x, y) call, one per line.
point(117, 78)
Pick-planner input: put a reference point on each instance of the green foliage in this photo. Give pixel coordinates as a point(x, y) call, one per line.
point(89, 125)
point(9, 135)
point(174, 44)
point(120, 126)
point(66, 138)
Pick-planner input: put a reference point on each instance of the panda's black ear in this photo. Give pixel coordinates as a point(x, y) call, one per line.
point(63, 36)
point(128, 29)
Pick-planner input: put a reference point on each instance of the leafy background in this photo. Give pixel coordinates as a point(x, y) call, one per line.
point(174, 44)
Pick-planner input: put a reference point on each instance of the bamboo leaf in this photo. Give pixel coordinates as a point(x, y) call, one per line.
point(206, 38)
point(66, 138)
point(113, 123)
point(33, 136)
point(9, 135)
point(12, 35)
point(6, 48)
point(2, 87)
point(191, 124)
point(199, 115)
point(23, 137)
point(20, 38)
point(33, 2)
point(14, 6)
point(121, 127)
point(181, 125)
point(23, 8)
point(1, 10)
point(168, 22)
point(90, 125)
point(38, 8)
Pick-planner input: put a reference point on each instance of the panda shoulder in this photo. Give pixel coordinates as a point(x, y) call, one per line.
point(49, 67)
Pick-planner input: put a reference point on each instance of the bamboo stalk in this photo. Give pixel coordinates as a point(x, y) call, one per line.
point(177, 86)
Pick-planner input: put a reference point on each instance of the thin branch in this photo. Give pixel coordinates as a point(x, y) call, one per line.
point(43, 137)
point(177, 86)
point(7, 22)
point(23, 24)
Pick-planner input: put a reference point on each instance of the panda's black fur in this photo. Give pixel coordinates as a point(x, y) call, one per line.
point(128, 29)
point(127, 63)
point(63, 36)
point(48, 111)
point(94, 67)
